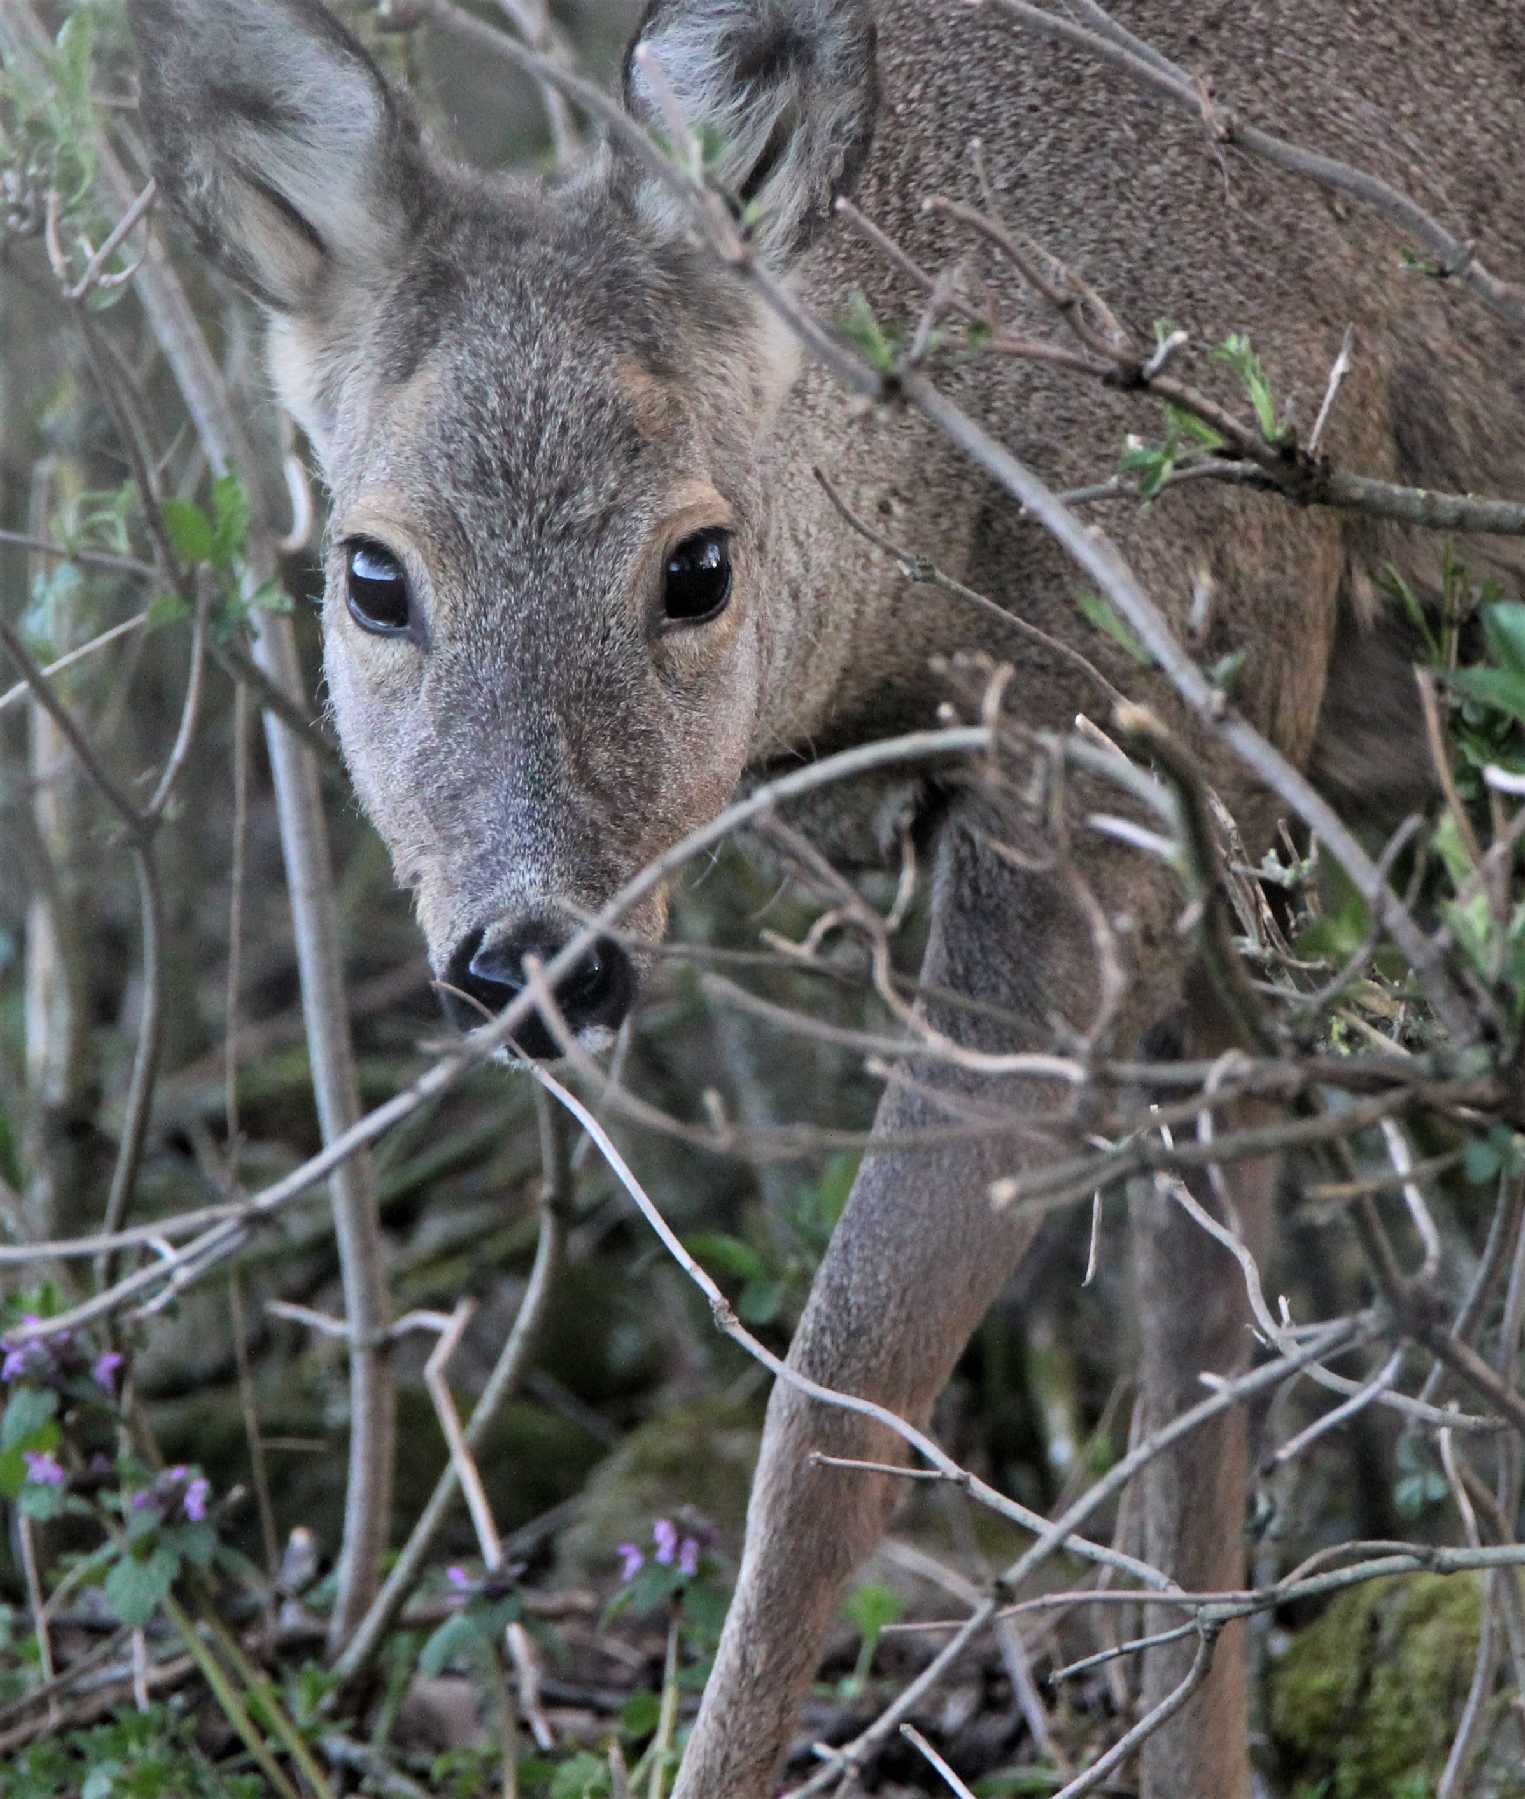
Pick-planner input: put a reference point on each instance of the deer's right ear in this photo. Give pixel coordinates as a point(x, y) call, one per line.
point(276, 139)
point(786, 91)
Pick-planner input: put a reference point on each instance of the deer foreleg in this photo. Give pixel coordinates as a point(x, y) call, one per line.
point(919, 1254)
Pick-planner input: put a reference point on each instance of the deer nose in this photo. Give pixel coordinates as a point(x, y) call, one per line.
point(488, 970)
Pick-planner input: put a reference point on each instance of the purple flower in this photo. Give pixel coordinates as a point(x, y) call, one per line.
point(104, 1371)
point(664, 1533)
point(459, 1579)
point(631, 1560)
point(175, 1490)
point(26, 1358)
point(688, 1557)
point(42, 1468)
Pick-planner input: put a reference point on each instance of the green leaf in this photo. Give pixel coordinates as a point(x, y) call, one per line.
point(1239, 354)
point(583, 1777)
point(639, 1714)
point(1393, 583)
point(836, 1185)
point(40, 1501)
point(26, 1411)
point(704, 1608)
point(1498, 687)
point(718, 1250)
point(1101, 613)
point(1225, 671)
point(270, 596)
point(869, 1608)
point(10, 1148)
point(1023, 1783)
point(190, 530)
point(492, 1620)
point(13, 1468)
point(230, 514)
point(760, 1301)
point(1481, 1161)
point(1188, 426)
point(1485, 1157)
point(167, 609)
point(457, 1636)
point(196, 1543)
point(861, 328)
point(648, 1592)
point(1504, 627)
point(136, 1586)
point(1151, 465)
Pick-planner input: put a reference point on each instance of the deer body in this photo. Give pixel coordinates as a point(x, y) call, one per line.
point(534, 404)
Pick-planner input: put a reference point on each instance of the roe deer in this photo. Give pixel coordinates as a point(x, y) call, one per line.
point(581, 579)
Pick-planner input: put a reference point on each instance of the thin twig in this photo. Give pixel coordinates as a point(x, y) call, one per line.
point(918, 1742)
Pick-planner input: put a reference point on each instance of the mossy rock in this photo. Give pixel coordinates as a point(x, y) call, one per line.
point(530, 1460)
point(1365, 1703)
point(597, 1339)
point(693, 1458)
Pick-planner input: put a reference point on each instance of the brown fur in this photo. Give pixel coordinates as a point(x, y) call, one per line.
point(509, 384)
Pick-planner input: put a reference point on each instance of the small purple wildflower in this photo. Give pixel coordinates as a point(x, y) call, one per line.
point(632, 1560)
point(175, 1491)
point(459, 1579)
point(30, 1357)
point(43, 1468)
point(53, 1361)
point(688, 1557)
point(104, 1371)
point(664, 1533)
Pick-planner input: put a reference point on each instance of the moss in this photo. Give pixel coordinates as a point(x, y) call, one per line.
point(1365, 1702)
point(531, 1460)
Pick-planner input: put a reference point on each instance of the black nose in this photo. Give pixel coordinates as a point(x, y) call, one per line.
point(489, 967)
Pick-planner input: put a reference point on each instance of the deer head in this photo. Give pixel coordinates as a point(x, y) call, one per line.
point(554, 612)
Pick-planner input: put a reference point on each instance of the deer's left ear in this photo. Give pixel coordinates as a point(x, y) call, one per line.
point(277, 141)
point(786, 91)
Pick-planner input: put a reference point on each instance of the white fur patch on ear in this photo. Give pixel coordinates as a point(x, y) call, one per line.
point(298, 359)
point(783, 92)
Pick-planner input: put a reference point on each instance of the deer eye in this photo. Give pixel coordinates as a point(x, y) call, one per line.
point(376, 589)
point(696, 582)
